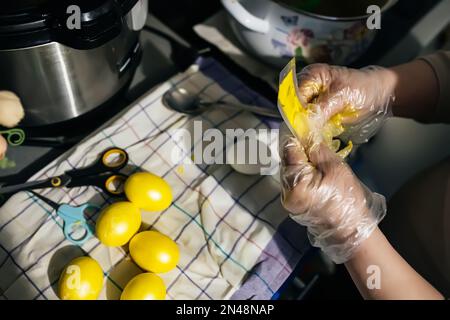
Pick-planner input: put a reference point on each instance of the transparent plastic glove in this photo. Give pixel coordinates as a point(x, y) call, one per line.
point(362, 98)
point(322, 193)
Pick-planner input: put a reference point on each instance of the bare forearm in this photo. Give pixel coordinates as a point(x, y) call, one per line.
point(416, 90)
point(398, 280)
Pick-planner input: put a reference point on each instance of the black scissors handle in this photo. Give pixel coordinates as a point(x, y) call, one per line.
point(103, 174)
point(111, 160)
point(54, 182)
point(112, 184)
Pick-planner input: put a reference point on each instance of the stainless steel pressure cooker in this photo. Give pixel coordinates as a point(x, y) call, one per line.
point(60, 69)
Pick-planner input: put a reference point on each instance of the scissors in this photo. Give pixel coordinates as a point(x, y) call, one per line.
point(15, 137)
point(73, 218)
point(103, 174)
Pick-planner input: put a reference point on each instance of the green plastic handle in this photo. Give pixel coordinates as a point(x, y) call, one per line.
point(14, 137)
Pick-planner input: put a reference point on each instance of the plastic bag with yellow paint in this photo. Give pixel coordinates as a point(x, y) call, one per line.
point(306, 121)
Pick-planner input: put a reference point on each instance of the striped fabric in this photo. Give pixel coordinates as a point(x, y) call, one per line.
point(236, 241)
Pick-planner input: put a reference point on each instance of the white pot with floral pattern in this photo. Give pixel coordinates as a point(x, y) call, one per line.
point(276, 32)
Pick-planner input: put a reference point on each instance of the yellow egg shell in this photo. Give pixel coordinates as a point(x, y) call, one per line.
point(81, 279)
point(148, 191)
point(145, 286)
point(118, 223)
point(153, 251)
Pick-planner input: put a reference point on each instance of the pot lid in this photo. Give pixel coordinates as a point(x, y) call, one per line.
point(26, 23)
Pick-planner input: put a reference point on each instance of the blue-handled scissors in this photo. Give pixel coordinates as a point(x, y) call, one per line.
point(103, 174)
point(73, 218)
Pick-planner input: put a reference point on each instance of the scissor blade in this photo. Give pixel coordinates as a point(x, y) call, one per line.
point(20, 187)
point(51, 203)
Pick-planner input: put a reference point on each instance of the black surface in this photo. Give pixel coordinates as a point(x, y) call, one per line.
point(24, 5)
point(338, 286)
point(396, 23)
point(21, 5)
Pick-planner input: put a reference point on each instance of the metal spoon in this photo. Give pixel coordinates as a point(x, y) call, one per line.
point(181, 100)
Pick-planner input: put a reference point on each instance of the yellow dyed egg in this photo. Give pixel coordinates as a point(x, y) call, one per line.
point(148, 191)
point(153, 251)
point(81, 279)
point(145, 286)
point(118, 223)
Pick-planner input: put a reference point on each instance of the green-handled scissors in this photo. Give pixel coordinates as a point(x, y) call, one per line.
point(14, 137)
point(103, 174)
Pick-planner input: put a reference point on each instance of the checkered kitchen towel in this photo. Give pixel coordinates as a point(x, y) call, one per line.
point(235, 239)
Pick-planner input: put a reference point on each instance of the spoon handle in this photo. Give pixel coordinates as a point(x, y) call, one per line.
point(272, 113)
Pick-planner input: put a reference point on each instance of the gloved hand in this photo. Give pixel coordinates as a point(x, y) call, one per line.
point(322, 193)
point(363, 97)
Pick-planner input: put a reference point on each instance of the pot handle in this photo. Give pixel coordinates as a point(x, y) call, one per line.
point(235, 8)
point(137, 17)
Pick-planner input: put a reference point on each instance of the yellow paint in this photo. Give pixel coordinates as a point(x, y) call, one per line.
point(301, 120)
point(180, 169)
